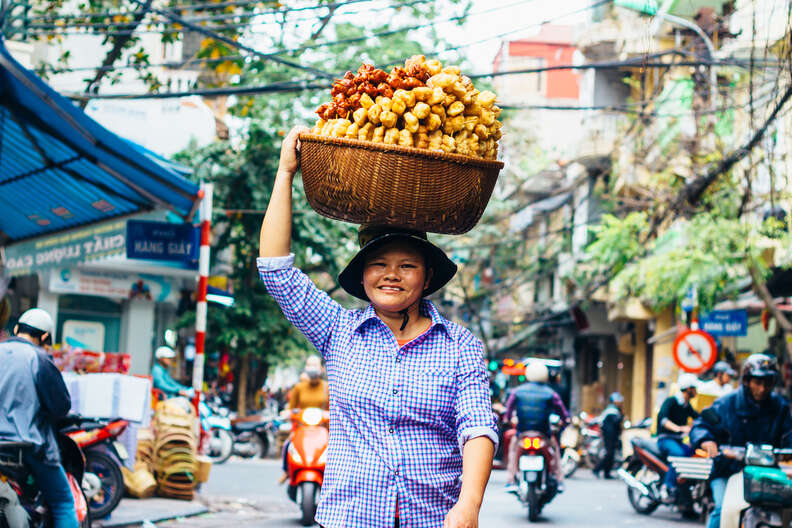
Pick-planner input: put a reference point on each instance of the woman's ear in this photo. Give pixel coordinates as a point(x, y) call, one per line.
point(429, 274)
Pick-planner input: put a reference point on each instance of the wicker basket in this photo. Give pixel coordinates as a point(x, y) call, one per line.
point(373, 183)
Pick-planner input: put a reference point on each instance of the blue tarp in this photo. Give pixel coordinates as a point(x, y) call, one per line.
point(60, 169)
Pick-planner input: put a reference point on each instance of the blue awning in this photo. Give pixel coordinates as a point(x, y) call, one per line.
point(60, 169)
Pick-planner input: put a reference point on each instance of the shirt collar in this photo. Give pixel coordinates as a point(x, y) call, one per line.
point(427, 307)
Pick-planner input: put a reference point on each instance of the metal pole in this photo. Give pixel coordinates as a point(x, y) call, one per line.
point(710, 46)
point(203, 279)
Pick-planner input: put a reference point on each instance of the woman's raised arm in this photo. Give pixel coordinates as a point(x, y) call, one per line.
point(275, 238)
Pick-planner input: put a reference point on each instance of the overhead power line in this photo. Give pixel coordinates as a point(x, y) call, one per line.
point(65, 29)
point(201, 7)
point(299, 85)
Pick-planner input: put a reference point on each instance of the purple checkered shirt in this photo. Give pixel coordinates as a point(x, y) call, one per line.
point(399, 416)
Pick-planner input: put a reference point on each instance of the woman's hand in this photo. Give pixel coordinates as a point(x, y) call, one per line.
point(289, 157)
point(462, 515)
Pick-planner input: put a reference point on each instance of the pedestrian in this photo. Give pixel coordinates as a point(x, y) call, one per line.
point(411, 428)
point(611, 426)
point(672, 425)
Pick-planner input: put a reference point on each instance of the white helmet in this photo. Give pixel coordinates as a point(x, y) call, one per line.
point(537, 372)
point(687, 381)
point(38, 319)
point(164, 352)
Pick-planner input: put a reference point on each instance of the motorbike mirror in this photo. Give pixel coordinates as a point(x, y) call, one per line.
point(554, 419)
point(627, 424)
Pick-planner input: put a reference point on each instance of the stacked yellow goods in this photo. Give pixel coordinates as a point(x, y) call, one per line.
point(422, 105)
point(175, 450)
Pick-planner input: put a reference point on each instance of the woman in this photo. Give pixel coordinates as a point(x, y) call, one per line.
point(409, 394)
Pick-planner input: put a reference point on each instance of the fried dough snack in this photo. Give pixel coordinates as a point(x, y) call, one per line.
point(421, 105)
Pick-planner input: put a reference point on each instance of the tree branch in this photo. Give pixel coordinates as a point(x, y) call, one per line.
point(115, 52)
point(324, 22)
point(760, 288)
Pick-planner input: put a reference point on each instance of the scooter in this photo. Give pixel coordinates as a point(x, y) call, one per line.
point(104, 456)
point(571, 447)
point(644, 474)
point(21, 503)
point(759, 496)
point(306, 456)
point(217, 425)
point(537, 485)
point(253, 436)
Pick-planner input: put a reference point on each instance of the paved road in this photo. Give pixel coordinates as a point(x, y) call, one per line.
point(248, 495)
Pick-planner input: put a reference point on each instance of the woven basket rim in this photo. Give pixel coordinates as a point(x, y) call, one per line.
point(397, 149)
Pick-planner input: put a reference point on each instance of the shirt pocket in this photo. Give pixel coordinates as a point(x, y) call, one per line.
point(431, 394)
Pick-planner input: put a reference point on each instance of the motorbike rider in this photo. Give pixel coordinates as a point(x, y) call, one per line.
point(611, 426)
point(161, 377)
point(33, 397)
point(750, 414)
point(534, 401)
point(720, 385)
point(310, 391)
point(672, 426)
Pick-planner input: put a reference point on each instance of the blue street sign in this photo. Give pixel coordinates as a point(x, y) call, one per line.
point(149, 240)
point(725, 322)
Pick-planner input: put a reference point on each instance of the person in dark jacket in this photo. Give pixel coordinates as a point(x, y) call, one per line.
point(33, 397)
point(672, 426)
point(533, 402)
point(611, 426)
point(751, 414)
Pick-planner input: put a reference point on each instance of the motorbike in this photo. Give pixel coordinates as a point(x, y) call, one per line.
point(306, 456)
point(103, 481)
point(759, 496)
point(253, 436)
point(217, 425)
point(644, 474)
point(537, 485)
point(21, 503)
point(572, 446)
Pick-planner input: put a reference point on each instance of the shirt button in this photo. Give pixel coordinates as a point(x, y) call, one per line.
point(396, 472)
point(395, 391)
point(398, 360)
point(390, 430)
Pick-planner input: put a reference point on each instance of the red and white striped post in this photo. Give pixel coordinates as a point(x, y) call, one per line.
point(205, 216)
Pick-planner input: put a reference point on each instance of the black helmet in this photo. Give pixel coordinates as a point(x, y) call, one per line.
point(759, 366)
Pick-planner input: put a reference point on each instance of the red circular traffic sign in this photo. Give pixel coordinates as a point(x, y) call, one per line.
point(695, 351)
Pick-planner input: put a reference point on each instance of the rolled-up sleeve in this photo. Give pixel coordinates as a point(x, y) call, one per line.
point(307, 307)
point(473, 408)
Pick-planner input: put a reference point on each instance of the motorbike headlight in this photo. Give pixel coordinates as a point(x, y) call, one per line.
point(759, 456)
point(312, 416)
point(295, 454)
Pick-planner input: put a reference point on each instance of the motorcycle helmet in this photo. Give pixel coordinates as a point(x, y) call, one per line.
point(687, 381)
point(616, 397)
point(36, 322)
point(536, 372)
point(760, 366)
point(722, 367)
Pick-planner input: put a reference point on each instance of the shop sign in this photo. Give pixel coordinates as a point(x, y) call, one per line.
point(725, 322)
point(69, 247)
point(112, 284)
point(151, 240)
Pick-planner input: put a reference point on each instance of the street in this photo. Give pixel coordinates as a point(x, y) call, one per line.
point(246, 494)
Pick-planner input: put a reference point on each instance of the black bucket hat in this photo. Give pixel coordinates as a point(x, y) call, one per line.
point(372, 238)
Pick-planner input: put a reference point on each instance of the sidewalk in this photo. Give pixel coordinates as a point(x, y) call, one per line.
point(134, 512)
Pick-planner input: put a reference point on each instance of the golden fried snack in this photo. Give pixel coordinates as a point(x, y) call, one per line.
point(422, 104)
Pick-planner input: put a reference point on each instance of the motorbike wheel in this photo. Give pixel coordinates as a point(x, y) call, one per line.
point(261, 446)
point(568, 463)
point(108, 469)
point(642, 504)
point(308, 500)
point(224, 446)
point(533, 503)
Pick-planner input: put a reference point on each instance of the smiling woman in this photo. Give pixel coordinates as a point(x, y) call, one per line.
point(412, 432)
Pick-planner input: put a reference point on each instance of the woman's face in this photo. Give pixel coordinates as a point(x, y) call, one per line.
point(395, 277)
